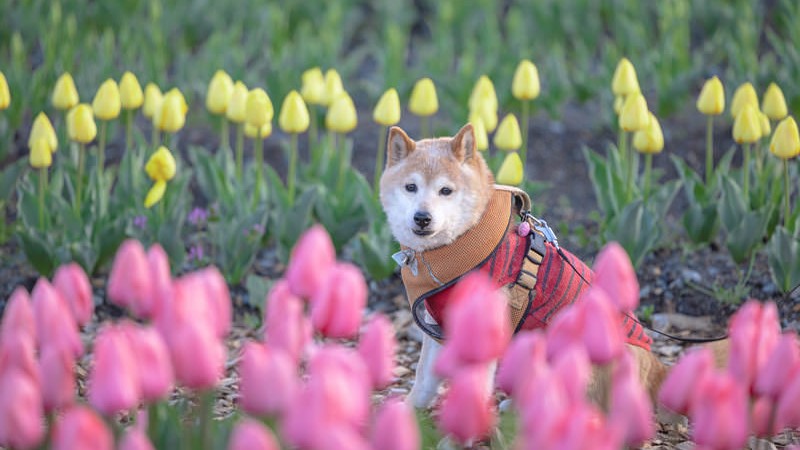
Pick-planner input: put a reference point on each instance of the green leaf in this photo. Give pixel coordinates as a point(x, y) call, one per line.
point(783, 255)
point(257, 289)
point(38, 251)
point(9, 176)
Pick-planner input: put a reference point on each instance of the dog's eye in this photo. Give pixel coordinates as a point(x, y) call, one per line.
point(411, 187)
point(445, 191)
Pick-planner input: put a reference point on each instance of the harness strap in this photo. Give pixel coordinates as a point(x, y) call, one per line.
point(522, 293)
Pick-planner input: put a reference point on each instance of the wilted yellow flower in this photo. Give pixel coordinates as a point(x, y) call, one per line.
point(511, 170)
point(41, 155)
point(130, 92)
point(155, 194)
point(43, 129)
point(423, 100)
point(774, 105)
point(508, 137)
point(152, 100)
point(744, 95)
point(170, 115)
point(237, 107)
point(747, 127)
point(333, 86)
point(618, 102)
point(294, 114)
point(161, 165)
point(258, 108)
point(5, 95)
point(525, 85)
point(481, 137)
point(650, 139)
point(711, 100)
point(262, 133)
point(341, 116)
point(106, 103)
point(387, 111)
point(81, 126)
point(625, 81)
point(763, 121)
point(65, 94)
point(786, 140)
point(634, 115)
point(313, 90)
point(219, 92)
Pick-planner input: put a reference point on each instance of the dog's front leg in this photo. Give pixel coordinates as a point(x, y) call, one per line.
point(426, 383)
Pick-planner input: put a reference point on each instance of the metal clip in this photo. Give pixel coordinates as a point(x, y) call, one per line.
point(542, 227)
point(406, 258)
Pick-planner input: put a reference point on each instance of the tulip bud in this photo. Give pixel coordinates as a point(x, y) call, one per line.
point(481, 137)
point(395, 427)
point(152, 100)
point(54, 323)
point(774, 105)
point(150, 352)
point(618, 102)
point(286, 326)
point(525, 85)
point(786, 140)
point(250, 434)
point(177, 93)
point(81, 127)
point(21, 414)
point(73, 284)
point(220, 90)
point(130, 280)
point(337, 307)
point(377, 347)
point(313, 256)
point(40, 156)
point(483, 101)
point(18, 319)
point(135, 438)
point(635, 115)
point(763, 122)
point(711, 100)
point(261, 133)
point(5, 95)
point(333, 86)
point(747, 127)
point(487, 111)
point(155, 194)
point(423, 100)
point(625, 81)
point(170, 115)
point(650, 139)
point(508, 137)
point(237, 106)
point(81, 428)
point(65, 95)
point(161, 166)
point(57, 376)
point(615, 274)
point(387, 111)
point(258, 108)
point(466, 412)
point(106, 104)
point(511, 171)
point(744, 95)
point(294, 116)
point(130, 92)
point(313, 90)
point(114, 384)
point(43, 129)
point(268, 380)
point(341, 116)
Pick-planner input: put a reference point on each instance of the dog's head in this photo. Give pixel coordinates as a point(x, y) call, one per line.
point(433, 190)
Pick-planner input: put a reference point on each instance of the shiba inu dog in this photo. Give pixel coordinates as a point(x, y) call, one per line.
point(450, 218)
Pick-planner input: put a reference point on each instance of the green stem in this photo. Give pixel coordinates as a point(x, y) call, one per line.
point(746, 170)
point(101, 149)
point(786, 193)
point(343, 161)
point(258, 148)
point(313, 134)
point(79, 182)
point(424, 126)
point(42, 189)
point(290, 178)
point(709, 149)
point(239, 150)
point(524, 124)
point(648, 165)
point(154, 135)
point(152, 421)
point(206, 412)
point(379, 159)
point(225, 141)
point(129, 130)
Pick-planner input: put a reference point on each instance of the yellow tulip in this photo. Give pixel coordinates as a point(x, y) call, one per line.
point(747, 127)
point(106, 103)
point(744, 95)
point(237, 107)
point(5, 94)
point(333, 86)
point(786, 140)
point(152, 100)
point(262, 133)
point(258, 108)
point(161, 166)
point(619, 100)
point(774, 105)
point(177, 93)
point(483, 95)
point(219, 92)
point(511, 170)
point(635, 115)
point(481, 137)
point(81, 126)
point(763, 121)
point(711, 100)
point(43, 129)
point(387, 111)
point(313, 90)
point(625, 81)
point(155, 194)
point(169, 115)
point(342, 116)
point(508, 137)
point(65, 94)
point(130, 92)
point(525, 85)
point(487, 110)
point(294, 116)
point(423, 100)
point(40, 155)
point(650, 139)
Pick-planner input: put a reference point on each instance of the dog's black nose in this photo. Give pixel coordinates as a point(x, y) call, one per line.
point(422, 219)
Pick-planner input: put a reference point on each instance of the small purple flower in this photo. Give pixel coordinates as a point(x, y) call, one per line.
point(198, 216)
point(256, 230)
point(195, 253)
point(140, 222)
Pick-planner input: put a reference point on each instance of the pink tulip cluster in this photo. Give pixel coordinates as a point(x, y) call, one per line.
point(757, 392)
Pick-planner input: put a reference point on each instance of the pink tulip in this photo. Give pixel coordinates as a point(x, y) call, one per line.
point(614, 273)
point(574, 370)
point(219, 298)
point(544, 408)
point(54, 322)
point(720, 413)
point(206, 299)
point(198, 356)
point(754, 331)
point(781, 366)
point(129, 283)
point(18, 352)
point(585, 428)
point(631, 408)
point(73, 284)
point(466, 411)
point(135, 438)
point(285, 324)
point(377, 347)
point(787, 413)
point(602, 332)
point(160, 293)
point(680, 389)
point(252, 435)
point(341, 437)
point(338, 304)
point(157, 377)
point(339, 386)
point(21, 424)
point(18, 317)
point(395, 427)
point(57, 375)
point(525, 355)
point(565, 330)
point(114, 381)
point(268, 380)
point(81, 429)
point(312, 258)
point(762, 418)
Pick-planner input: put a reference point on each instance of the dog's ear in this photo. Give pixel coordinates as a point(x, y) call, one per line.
point(463, 144)
point(399, 147)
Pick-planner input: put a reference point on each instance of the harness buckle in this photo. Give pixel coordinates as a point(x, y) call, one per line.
point(542, 227)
